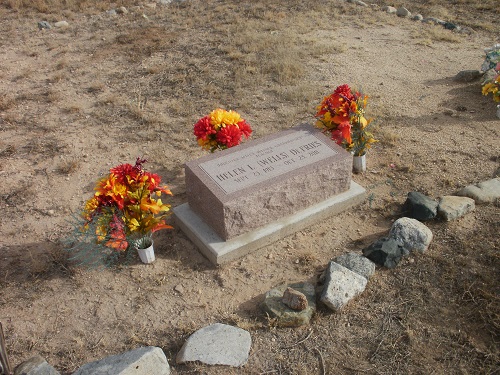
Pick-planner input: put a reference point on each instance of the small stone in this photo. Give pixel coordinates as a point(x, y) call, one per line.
point(44, 25)
point(111, 12)
point(122, 10)
point(294, 299)
point(341, 285)
point(386, 252)
point(61, 24)
point(451, 26)
point(484, 192)
point(357, 263)
point(144, 360)
point(283, 315)
point(419, 206)
point(217, 344)
point(35, 366)
point(452, 207)
point(417, 17)
point(389, 9)
point(412, 234)
point(179, 289)
point(403, 12)
point(433, 20)
point(360, 3)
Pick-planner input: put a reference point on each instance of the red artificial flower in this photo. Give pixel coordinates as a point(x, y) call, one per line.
point(203, 128)
point(123, 172)
point(229, 136)
point(245, 128)
point(345, 92)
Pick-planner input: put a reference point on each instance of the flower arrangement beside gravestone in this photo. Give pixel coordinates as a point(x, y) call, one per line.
point(342, 115)
point(120, 218)
point(491, 81)
point(221, 129)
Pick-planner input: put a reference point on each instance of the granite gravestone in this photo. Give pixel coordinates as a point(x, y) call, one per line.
point(262, 182)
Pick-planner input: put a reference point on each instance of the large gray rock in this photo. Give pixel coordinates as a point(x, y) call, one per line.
point(142, 361)
point(35, 366)
point(412, 234)
point(357, 263)
point(452, 207)
point(484, 192)
point(419, 206)
point(385, 252)
point(283, 315)
point(217, 344)
point(341, 285)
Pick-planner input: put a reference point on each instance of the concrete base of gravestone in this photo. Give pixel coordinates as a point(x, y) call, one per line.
point(219, 251)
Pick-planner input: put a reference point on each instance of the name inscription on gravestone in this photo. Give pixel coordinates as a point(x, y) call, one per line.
point(267, 160)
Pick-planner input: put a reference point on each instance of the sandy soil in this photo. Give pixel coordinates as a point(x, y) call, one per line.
point(75, 102)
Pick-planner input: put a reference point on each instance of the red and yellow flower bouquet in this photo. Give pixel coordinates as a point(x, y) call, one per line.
point(126, 206)
point(342, 114)
point(221, 129)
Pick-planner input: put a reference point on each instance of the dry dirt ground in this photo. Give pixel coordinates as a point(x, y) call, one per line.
point(76, 101)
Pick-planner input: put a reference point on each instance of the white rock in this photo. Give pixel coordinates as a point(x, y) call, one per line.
point(145, 360)
point(484, 192)
point(341, 285)
point(411, 234)
point(217, 344)
point(389, 9)
point(452, 207)
point(357, 263)
point(61, 24)
point(403, 12)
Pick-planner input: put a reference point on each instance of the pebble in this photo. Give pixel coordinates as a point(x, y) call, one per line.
point(403, 12)
point(61, 24)
point(294, 299)
point(44, 25)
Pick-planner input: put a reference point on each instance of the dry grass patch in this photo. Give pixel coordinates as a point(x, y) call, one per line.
point(68, 167)
point(7, 102)
point(429, 34)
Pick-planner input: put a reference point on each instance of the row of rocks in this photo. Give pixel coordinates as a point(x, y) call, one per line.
point(45, 25)
point(216, 344)
point(345, 278)
point(451, 207)
point(347, 275)
point(403, 12)
point(289, 306)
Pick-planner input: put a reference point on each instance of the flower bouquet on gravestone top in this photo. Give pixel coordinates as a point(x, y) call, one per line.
point(121, 217)
point(220, 130)
point(342, 115)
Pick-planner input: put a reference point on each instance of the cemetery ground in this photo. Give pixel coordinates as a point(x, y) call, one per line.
point(78, 100)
